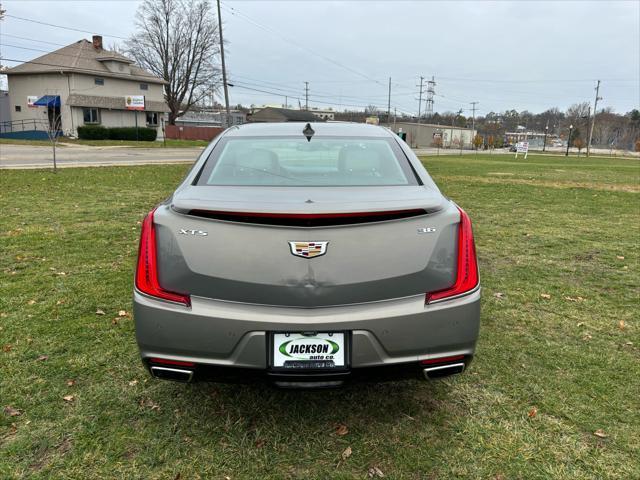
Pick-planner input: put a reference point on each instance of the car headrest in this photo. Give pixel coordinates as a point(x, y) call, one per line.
point(353, 158)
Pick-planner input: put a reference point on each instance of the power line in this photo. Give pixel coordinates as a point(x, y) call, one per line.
point(60, 26)
point(31, 39)
point(235, 11)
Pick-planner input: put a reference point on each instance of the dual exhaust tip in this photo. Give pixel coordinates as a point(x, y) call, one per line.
point(174, 374)
point(441, 371)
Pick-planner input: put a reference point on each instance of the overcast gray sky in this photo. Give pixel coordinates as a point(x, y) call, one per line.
point(507, 54)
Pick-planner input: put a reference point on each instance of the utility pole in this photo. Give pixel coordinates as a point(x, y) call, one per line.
point(306, 95)
point(546, 130)
point(473, 123)
point(224, 69)
point(420, 97)
point(389, 105)
point(593, 120)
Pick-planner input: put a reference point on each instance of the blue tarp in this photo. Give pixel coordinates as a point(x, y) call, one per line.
point(48, 101)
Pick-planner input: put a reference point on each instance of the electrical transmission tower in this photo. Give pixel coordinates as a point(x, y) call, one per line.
point(431, 91)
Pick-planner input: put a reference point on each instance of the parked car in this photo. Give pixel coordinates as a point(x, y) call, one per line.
point(306, 255)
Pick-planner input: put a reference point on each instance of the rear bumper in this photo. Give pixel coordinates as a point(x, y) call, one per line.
point(222, 337)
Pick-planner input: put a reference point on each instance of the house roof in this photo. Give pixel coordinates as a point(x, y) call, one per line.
point(82, 57)
point(286, 114)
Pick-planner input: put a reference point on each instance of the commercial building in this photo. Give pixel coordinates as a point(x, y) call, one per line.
point(271, 114)
point(423, 135)
point(84, 84)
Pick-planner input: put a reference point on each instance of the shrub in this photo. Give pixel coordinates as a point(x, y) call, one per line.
point(93, 132)
point(96, 132)
point(129, 133)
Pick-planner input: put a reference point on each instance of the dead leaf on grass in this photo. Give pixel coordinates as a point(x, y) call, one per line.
point(115, 321)
point(71, 383)
point(580, 324)
point(260, 443)
point(69, 398)
point(123, 313)
point(99, 312)
point(574, 299)
point(375, 472)
point(533, 412)
point(31, 302)
point(622, 325)
point(60, 302)
point(12, 412)
point(42, 358)
point(600, 433)
point(498, 295)
point(7, 347)
point(587, 337)
point(545, 295)
point(620, 257)
point(342, 430)
point(347, 453)
point(133, 383)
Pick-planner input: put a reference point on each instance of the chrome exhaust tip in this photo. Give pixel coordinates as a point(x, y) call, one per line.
point(443, 370)
point(174, 374)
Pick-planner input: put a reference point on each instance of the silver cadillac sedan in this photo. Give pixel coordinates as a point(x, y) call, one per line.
point(306, 255)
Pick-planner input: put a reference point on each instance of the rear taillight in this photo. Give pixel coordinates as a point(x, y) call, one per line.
point(147, 269)
point(467, 266)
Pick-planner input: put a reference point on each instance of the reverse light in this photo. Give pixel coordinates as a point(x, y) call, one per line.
point(467, 277)
point(147, 268)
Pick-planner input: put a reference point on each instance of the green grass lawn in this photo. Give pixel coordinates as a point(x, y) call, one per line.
point(63, 142)
point(558, 358)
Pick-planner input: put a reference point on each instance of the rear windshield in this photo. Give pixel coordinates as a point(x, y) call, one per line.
point(294, 161)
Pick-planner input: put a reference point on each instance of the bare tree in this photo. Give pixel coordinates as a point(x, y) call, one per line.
point(371, 110)
point(178, 41)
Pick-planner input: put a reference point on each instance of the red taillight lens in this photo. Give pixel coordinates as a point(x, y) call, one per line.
point(467, 274)
point(147, 269)
point(166, 361)
point(433, 361)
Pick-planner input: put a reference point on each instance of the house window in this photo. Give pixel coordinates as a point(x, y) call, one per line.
point(98, 81)
point(18, 108)
point(144, 86)
point(152, 119)
point(91, 116)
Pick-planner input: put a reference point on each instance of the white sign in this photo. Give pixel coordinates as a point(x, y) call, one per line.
point(134, 102)
point(31, 100)
point(522, 147)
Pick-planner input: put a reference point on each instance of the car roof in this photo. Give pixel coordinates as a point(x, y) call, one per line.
point(339, 129)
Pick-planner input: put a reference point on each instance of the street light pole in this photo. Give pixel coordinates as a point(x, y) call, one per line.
point(569, 140)
point(546, 130)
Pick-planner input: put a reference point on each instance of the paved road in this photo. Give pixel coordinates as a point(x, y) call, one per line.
point(28, 156)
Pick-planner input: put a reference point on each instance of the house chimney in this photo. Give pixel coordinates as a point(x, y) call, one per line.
point(97, 42)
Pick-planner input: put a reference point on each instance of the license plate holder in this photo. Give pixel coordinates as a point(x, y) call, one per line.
point(309, 351)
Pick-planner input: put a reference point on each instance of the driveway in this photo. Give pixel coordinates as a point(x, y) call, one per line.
point(28, 156)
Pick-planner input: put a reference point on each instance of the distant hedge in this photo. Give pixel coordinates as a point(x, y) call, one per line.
point(96, 132)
